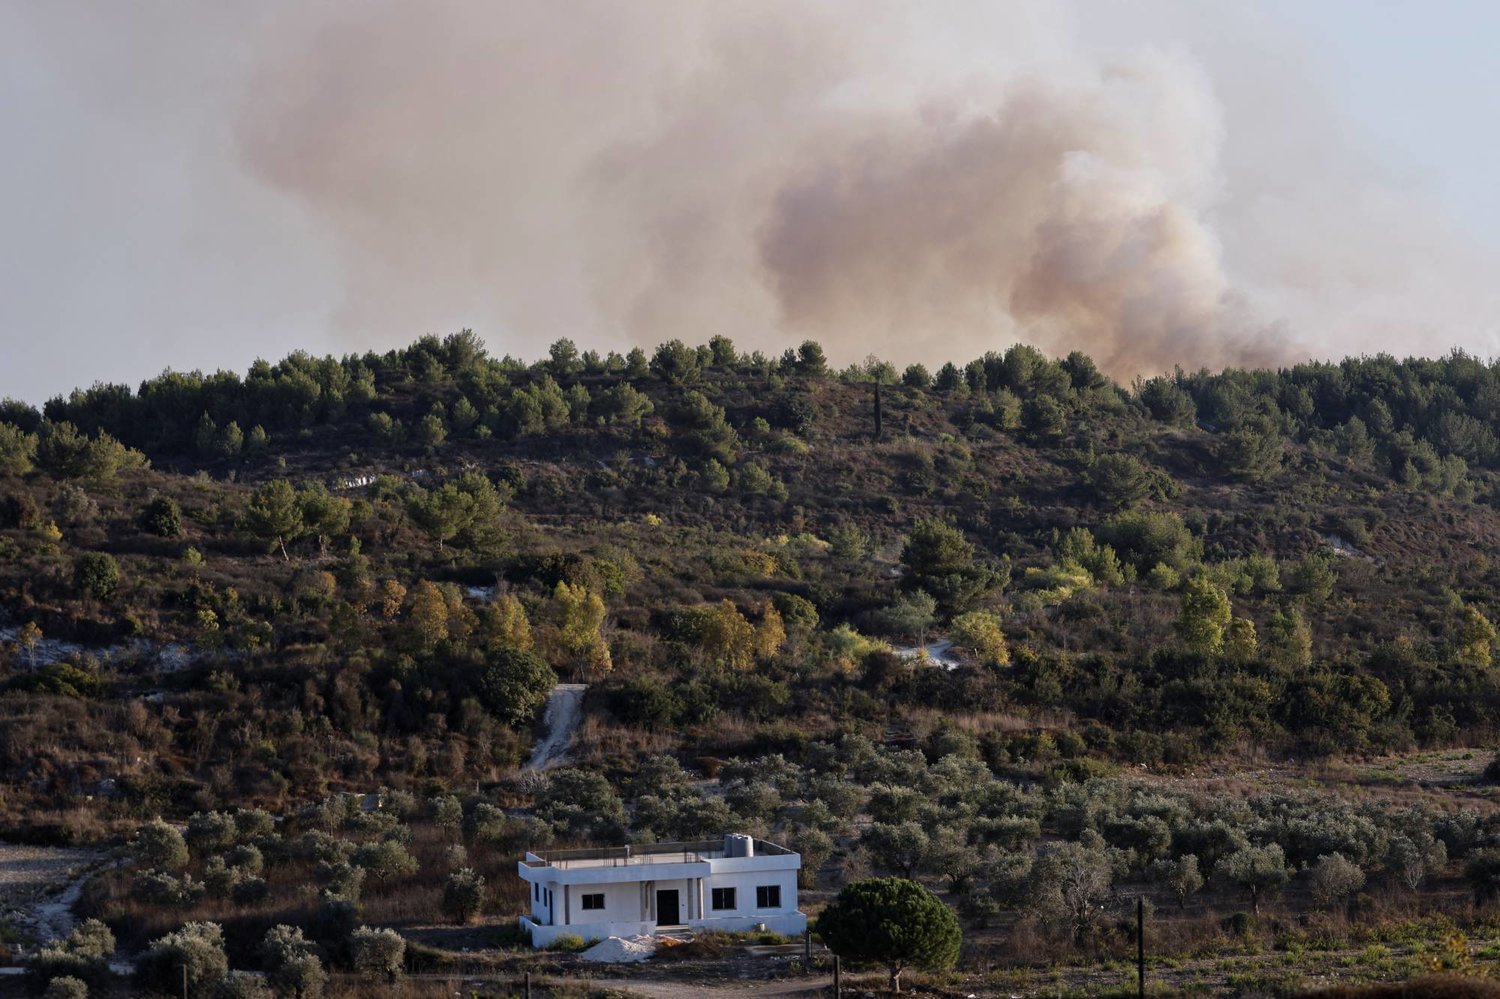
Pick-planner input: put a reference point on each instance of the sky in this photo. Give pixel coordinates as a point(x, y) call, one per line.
point(1156, 183)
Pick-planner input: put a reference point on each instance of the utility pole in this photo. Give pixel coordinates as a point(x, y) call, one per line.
point(184, 980)
point(1140, 946)
point(837, 988)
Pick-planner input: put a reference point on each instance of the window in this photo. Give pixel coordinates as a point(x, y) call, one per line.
point(723, 898)
point(536, 893)
point(768, 896)
point(593, 901)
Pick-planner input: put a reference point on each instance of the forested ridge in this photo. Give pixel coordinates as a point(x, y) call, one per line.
point(1194, 565)
point(229, 601)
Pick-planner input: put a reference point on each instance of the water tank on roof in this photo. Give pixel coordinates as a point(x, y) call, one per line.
point(739, 845)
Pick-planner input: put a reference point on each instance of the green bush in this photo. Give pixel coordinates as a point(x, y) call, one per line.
point(162, 517)
point(378, 954)
point(196, 947)
point(463, 895)
point(568, 943)
point(66, 987)
point(96, 574)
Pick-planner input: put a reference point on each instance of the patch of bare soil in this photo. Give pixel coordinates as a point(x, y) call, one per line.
point(39, 886)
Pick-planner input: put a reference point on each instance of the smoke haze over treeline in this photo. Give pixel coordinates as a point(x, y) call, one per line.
point(922, 182)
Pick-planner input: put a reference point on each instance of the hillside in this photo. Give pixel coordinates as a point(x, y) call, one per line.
point(223, 592)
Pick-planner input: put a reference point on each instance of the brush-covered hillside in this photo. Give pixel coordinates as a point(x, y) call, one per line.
point(360, 572)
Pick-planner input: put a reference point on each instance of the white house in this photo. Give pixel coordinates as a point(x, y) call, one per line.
point(737, 883)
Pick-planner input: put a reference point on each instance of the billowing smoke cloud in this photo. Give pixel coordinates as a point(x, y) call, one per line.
point(919, 181)
point(766, 171)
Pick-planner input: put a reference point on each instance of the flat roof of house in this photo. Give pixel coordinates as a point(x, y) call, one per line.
point(645, 853)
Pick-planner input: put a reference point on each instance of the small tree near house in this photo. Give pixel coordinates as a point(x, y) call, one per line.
point(894, 922)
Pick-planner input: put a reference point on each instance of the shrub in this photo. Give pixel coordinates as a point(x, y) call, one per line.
point(377, 954)
point(293, 969)
point(514, 684)
point(66, 987)
point(1491, 773)
point(335, 920)
point(249, 890)
point(161, 888)
point(582, 805)
point(1482, 871)
point(210, 832)
point(96, 574)
point(251, 824)
point(198, 948)
point(1335, 878)
point(343, 879)
point(218, 878)
point(1260, 870)
point(385, 860)
point(568, 943)
point(299, 978)
point(82, 957)
point(247, 858)
point(463, 895)
point(91, 940)
point(162, 517)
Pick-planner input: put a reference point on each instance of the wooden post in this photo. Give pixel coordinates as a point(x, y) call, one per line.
point(184, 980)
point(528, 985)
point(807, 945)
point(837, 989)
point(1140, 946)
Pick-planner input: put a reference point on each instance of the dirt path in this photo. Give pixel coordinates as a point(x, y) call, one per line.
point(939, 652)
point(40, 885)
point(564, 713)
point(727, 990)
point(641, 988)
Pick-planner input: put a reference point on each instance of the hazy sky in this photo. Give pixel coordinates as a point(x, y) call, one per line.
point(198, 185)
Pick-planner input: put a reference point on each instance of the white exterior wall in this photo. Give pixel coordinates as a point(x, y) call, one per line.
point(746, 915)
point(628, 913)
point(539, 911)
point(744, 885)
point(622, 903)
point(545, 936)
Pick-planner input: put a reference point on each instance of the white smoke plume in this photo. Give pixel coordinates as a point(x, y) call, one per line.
point(768, 171)
point(919, 181)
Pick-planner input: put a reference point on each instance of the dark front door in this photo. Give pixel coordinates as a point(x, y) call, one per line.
point(666, 908)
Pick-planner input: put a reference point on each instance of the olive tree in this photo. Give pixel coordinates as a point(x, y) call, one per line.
point(1334, 878)
point(293, 969)
point(158, 844)
point(195, 953)
point(377, 953)
point(463, 895)
point(1071, 884)
point(1260, 870)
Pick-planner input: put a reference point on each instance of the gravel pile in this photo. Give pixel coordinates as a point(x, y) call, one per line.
point(621, 950)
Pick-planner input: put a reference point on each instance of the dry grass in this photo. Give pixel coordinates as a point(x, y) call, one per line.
point(598, 740)
point(924, 721)
point(1432, 987)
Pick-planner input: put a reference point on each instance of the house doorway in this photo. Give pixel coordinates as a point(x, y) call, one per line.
point(667, 913)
